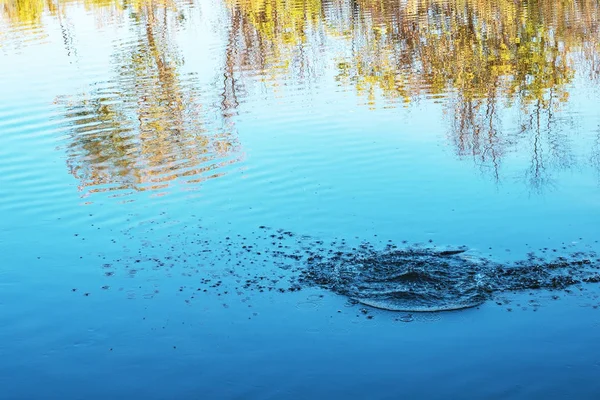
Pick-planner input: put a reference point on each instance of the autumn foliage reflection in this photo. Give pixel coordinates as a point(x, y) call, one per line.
point(480, 57)
point(145, 128)
point(501, 68)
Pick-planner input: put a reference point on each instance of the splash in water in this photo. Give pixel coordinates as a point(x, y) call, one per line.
point(408, 279)
point(429, 280)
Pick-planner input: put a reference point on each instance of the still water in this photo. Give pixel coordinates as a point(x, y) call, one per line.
point(168, 169)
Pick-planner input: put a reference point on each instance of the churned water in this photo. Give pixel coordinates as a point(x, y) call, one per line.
point(227, 199)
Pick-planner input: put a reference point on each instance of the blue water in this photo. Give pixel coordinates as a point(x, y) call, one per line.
point(295, 149)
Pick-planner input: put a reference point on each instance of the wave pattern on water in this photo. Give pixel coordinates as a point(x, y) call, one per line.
point(147, 121)
point(115, 146)
point(486, 62)
point(432, 280)
point(147, 126)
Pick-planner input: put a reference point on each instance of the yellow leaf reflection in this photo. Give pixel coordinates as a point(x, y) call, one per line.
point(145, 128)
point(479, 57)
point(502, 69)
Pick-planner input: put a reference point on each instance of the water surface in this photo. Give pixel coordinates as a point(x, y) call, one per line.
point(144, 144)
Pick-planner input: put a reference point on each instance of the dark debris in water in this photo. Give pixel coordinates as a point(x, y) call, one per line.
point(393, 277)
point(425, 279)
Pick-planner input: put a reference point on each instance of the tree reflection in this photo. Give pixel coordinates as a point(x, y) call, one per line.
point(274, 38)
point(502, 70)
point(26, 12)
point(144, 128)
point(485, 59)
point(31, 12)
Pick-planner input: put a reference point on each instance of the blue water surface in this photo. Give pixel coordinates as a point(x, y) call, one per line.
point(125, 136)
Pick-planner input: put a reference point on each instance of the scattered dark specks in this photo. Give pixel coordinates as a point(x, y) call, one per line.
point(86, 294)
point(105, 287)
point(369, 317)
point(74, 289)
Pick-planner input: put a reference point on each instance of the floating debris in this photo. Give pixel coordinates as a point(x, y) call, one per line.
point(384, 275)
point(428, 280)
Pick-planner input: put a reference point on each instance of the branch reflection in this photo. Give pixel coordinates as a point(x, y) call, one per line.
point(501, 68)
point(503, 71)
point(145, 128)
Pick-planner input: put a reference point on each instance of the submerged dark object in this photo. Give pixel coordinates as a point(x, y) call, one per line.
point(427, 280)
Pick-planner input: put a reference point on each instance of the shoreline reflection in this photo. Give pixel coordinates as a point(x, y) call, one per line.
point(503, 72)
